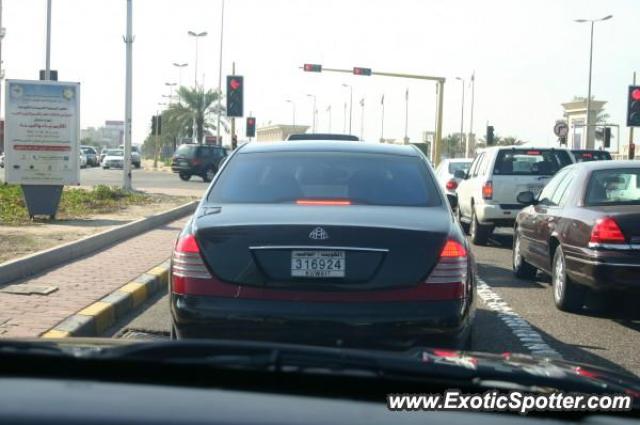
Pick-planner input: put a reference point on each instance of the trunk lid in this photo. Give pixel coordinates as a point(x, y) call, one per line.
point(627, 217)
point(376, 247)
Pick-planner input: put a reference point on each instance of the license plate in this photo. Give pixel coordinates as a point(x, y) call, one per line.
point(183, 162)
point(318, 264)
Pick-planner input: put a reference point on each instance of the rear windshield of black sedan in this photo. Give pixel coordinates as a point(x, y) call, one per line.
point(356, 178)
point(614, 187)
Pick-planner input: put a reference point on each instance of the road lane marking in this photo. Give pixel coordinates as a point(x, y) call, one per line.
point(522, 330)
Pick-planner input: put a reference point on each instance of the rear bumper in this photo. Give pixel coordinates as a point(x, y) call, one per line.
point(493, 214)
point(605, 270)
point(187, 169)
point(378, 324)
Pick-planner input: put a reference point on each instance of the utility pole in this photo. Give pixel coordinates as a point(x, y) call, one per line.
point(156, 139)
point(126, 167)
point(47, 70)
point(362, 119)
point(462, 142)
point(406, 117)
point(1, 69)
point(329, 111)
point(344, 121)
point(467, 147)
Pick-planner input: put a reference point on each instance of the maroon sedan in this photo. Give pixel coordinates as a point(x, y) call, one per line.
point(584, 230)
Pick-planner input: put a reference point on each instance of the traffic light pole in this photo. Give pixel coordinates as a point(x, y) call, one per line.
point(233, 120)
point(437, 146)
point(631, 128)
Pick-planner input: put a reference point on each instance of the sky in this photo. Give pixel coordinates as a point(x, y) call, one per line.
point(528, 57)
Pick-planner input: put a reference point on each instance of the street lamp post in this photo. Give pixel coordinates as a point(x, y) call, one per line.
point(462, 142)
point(180, 66)
point(467, 147)
point(590, 130)
point(171, 86)
point(362, 119)
point(293, 107)
point(350, 104)
point(196, 35)
point(220, 77)
point(315, 111)
point(329, 111)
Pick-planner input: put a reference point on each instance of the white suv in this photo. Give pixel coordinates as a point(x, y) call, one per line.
point(487, 194)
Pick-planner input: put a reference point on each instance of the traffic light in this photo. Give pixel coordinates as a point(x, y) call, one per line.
point(633, 107)
point(251, 127)
point(312, 67)
point(607, 137)
point(489, 135)
point(156, 124)
point(235, 88)
point(361, 71)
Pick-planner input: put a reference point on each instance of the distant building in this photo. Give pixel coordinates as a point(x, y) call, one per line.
point(277, 132)
point(110, 135)
point(575, 112)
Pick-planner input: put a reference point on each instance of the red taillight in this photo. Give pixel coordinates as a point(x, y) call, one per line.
point(487, 190)
point(187, 261)
point(452, 265)
point(322, 202)
point(606, 230)
point(452, 185)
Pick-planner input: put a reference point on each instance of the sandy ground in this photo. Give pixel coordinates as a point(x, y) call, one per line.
point(18, 241)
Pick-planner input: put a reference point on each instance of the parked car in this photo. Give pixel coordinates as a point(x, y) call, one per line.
point(584, 230)
point(322, 136)
point(91, 154)
point(581, 155)
point(445, 173)
point(324, 241)
point(136, 157)
point(198, 160)
point(103, 153)
point(83, 159)
point(487, 194)
point(114, 158)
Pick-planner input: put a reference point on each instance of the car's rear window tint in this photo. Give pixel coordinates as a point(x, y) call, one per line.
point(455, 166)
point(582, 156)
point(187, 151)
point(361, 178)
point(614, 187)
point(530, 162)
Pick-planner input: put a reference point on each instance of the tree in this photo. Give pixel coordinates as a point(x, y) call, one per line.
point(452, 146)
point(194, 104)
point(501, 141)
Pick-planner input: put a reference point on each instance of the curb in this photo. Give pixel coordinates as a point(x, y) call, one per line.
point(95, 319)
point(21, 268)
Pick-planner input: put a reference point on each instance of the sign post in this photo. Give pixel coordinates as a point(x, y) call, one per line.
point(42, 131)
point(561, 130)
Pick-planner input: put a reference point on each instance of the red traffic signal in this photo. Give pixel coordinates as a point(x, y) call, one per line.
point(633, 107)
point(361, 71)
point(251, 127)
point(312, 67)
point(635, 94)
point(234, 84)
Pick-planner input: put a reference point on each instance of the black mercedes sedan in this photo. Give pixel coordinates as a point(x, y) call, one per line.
point(584, 230)
point(324, 243)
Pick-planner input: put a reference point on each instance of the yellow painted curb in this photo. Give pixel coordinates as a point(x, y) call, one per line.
point(54, 333)
point(161, 273)
point(103, 314)
point(137, 290)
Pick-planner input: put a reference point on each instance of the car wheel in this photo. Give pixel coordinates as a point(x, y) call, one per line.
point(521, 268)
point(208, 175)
point(465, 226)
point(568, 296)
point(478, 232)
point(185, 177)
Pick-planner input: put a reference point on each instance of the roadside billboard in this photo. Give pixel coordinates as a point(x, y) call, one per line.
point(42, 132)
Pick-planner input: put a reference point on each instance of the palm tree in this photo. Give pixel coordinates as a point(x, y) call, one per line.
point(195, 105)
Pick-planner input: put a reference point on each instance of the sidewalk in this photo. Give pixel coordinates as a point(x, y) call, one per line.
point(83, 281)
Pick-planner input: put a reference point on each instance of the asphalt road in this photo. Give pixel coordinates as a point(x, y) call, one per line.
point(513, 316)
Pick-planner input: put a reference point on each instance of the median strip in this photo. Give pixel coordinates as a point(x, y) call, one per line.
point(96, 318)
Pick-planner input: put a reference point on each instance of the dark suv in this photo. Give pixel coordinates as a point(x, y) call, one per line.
point(197, 160)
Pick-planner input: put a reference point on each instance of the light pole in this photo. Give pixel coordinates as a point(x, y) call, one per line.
point(293, 107)
point(329, 111)
point(344, 119)
point(180, 66)
point(171, 86)
point(2, 33)
point(197, 36)
point(350, 104)
point(220, 77)
point(315, 111)
point(461, 113)
point(362, 119)
point(590, 130)
point(126, 168)
point(382, 120)
point(47, 70)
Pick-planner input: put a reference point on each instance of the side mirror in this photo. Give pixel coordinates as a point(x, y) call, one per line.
point(526, 198)
point(453, 201)
point(460, 174)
